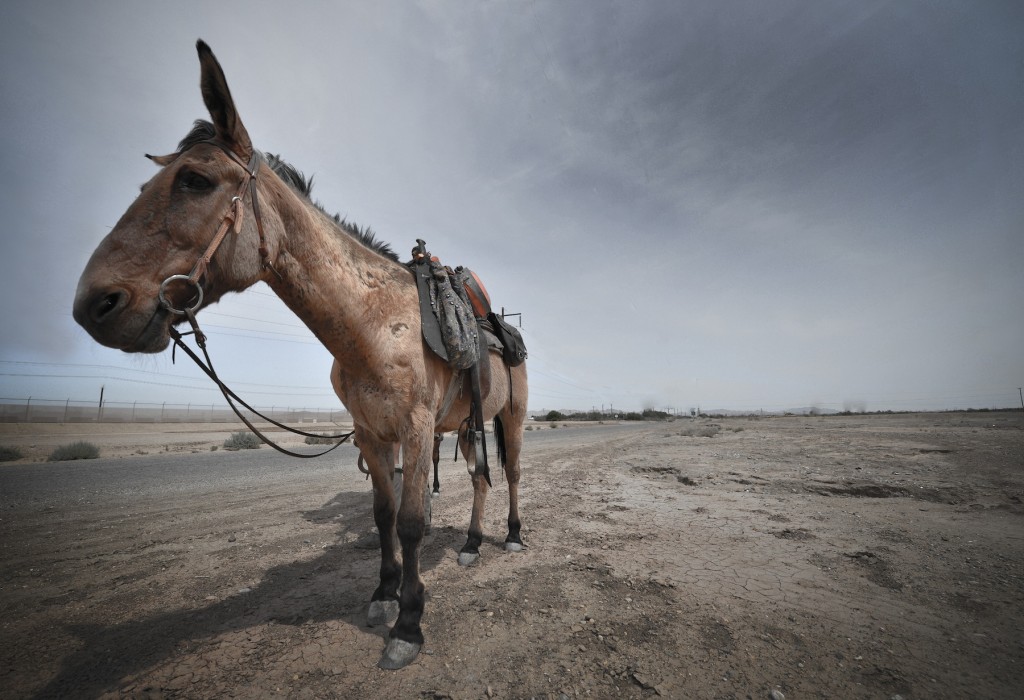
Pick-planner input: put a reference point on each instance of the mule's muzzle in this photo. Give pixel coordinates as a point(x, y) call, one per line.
point(109, 316)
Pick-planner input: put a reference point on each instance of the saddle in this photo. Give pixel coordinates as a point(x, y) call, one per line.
point(460, 328)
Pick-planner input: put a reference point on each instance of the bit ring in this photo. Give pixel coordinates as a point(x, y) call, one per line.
point(167, 304)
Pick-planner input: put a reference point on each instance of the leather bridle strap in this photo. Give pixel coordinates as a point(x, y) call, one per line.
point(235, 214)
point(232, 220)
point(252, 168)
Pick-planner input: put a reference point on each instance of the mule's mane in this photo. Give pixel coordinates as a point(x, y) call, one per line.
point(203, 130)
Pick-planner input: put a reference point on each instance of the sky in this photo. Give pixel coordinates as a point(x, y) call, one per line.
point(759, 204)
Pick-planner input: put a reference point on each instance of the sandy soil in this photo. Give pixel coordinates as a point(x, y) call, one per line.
point(859, 557)
point(36, 441)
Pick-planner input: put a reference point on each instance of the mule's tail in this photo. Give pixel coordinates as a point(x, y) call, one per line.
point(499, 439)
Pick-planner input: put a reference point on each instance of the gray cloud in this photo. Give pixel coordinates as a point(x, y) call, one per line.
point(743, 204)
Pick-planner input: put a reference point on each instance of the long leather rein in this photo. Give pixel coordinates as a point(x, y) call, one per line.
point(232, 220)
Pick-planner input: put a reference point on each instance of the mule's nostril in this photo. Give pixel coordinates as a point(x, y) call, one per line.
point(106, 304)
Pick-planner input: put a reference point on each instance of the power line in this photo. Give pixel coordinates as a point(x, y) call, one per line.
point(258, 320)
point(311, 392)
point(262, 336)
point(121, 369)
point(177, 378)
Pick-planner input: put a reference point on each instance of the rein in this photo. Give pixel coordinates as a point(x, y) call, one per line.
point(232, 220)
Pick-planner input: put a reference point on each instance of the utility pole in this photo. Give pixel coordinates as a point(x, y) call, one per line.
point(99, 410)
point(1021, 398)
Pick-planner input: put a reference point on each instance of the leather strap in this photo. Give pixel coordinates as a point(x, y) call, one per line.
point(476, 416)
point(454, 388)
point(428, 318)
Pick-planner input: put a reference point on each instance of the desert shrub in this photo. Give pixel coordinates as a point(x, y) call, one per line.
point(74, 450)
point(321, 439)
point(242, 441)
point(700, 431)
point(9, 454)
point(554, 415)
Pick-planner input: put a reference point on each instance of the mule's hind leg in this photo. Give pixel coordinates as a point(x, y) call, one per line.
point(470, 552)
point(510, 440)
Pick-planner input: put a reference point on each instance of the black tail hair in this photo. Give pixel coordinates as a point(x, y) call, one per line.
point(499, 438)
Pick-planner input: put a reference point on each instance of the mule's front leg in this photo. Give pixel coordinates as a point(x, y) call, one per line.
point(407, 636)
point(384, 603)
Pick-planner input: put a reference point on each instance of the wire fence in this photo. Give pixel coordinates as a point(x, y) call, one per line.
point(30, 410)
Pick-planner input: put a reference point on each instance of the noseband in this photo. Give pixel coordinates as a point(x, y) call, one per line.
point(232, 220)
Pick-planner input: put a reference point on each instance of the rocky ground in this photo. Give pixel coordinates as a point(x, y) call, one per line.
point(842, 556)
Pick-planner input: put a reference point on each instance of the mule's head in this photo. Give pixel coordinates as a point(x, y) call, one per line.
point(168, 228)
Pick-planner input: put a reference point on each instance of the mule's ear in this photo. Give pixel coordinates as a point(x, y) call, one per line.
point(220, 105)
point(163, 160)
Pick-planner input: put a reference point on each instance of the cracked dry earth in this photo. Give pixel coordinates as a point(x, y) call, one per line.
point(823, 557)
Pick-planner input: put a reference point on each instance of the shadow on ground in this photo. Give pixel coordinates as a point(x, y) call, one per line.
point(336, 585)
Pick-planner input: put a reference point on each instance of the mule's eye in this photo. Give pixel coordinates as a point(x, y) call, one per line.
point(193, 182)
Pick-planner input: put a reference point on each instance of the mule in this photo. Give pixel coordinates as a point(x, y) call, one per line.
point(345, 285)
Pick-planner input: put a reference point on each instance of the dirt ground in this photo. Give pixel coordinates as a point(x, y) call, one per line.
point(876, 556)
point(36, 441)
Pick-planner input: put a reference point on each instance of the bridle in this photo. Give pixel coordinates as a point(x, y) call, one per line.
point(232, 220)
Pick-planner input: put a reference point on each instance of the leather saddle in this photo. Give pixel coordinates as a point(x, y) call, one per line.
point(460, 328)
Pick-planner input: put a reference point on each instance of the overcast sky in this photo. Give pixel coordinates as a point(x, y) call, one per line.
point(745, 205)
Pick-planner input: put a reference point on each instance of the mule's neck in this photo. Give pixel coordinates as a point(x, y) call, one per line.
point(348, 295)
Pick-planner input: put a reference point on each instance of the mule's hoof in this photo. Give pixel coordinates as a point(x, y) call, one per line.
point(514, 546)
point(398, 654)
point(381, 612)
point(468, 558)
